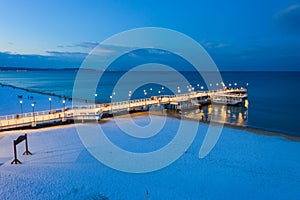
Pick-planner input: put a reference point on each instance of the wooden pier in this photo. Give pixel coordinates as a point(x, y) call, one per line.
point(95, 112)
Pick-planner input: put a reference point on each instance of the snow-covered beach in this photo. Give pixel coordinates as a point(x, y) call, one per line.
point(242, 165)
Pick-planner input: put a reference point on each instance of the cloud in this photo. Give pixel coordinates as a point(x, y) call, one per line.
point(214, 45)
point(54, 59)
point(289, 19)
point(66, 53)
point(100, 51)
point(288, 10)
point(88, 45)
point(272, 57)
point(85, 45)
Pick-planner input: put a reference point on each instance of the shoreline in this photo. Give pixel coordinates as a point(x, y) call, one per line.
point(230, 126)
point(243, 128)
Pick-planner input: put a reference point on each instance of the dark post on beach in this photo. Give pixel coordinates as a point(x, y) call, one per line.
point(15, 143)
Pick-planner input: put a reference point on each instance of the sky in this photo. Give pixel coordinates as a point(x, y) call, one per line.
point(238, 35)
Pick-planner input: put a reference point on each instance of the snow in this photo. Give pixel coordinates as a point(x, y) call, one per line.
point(242, 165)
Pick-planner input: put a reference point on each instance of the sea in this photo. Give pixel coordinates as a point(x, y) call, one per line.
point(272, 105)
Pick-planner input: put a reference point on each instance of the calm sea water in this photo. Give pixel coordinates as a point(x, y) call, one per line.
point(273, 96)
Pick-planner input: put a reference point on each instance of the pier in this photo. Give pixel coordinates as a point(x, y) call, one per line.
point(96, 112)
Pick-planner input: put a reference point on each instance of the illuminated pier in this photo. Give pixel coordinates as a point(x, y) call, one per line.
point(96, 112)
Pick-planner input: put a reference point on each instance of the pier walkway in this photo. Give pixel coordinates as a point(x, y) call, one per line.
point(97, 111)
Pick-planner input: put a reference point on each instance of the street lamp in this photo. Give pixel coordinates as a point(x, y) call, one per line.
point(162, 89)
point(110, 103)
point(96, 94)
point(145, 95)
point(32, 105)
point(64, 106)
point(21, 102)
point(64, 103)
point(129, 95)
point(50, 99)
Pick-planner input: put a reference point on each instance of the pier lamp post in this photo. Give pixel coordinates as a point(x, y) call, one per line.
point(111, 103)
point(95, 95)
point(145, 95)
point(229, 84)
point(158, 91)
point(33, 115)
point(129, 95)
point(150, 91)
point(235, 84)
point(247, 84)
point(202, 87)
point(21, 104)
point(162, 89)
point(223, 84)
point(178, 91)
point(50, 99)
point(198, 85)
point(64, 106)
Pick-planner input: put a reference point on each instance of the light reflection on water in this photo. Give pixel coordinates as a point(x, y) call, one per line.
point(237, 115)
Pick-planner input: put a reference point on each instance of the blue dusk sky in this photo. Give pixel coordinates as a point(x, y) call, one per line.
point(239, 35)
